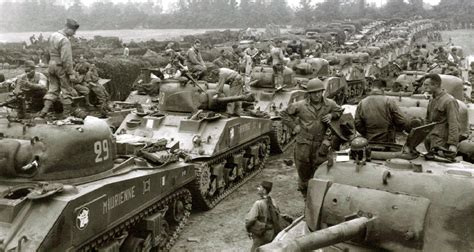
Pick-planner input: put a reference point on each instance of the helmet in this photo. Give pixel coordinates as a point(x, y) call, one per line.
point(359, 143)
point(314, 85)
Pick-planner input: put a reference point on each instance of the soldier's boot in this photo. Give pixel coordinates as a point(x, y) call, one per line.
point(47, 106)
point(87, 100)
point(67, 110)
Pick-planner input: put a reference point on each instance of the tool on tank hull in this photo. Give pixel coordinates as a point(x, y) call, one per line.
point(67, 186)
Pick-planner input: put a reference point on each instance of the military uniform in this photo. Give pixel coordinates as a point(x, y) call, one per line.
point(377, 118)
point(278, 65)
point(195, 62)
point(33, 89)
point(310, 151)
point(235, 81)
point(60, 68)
point(260, 212)
point(443, 109)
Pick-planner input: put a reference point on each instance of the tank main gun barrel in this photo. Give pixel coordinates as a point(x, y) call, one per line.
point(323, 238)
point(237, 98)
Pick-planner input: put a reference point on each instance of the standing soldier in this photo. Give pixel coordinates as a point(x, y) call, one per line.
point(60, 69)
point(377, 116)
point(262, 221)
point(443, 109)
point(277, 63)
point(309, 119)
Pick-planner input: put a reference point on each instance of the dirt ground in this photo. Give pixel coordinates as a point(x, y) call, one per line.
point(223, 228)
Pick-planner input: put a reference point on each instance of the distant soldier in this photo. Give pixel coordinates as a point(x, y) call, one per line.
point(126, 51)
point(30, 89)
point(443, 109)
point(416, 58)
point(60, 69)
point(295, 48)
point(194, 61)
point(377, 116)
point(79, 83)
point(235, 57)
point(222, 61)
point(277, 63)
point(262, 221)
point(309, 119)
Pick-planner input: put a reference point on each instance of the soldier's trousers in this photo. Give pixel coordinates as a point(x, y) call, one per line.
point(235, 89)
point(258, 241)
point(307, 159)
point(59, 86)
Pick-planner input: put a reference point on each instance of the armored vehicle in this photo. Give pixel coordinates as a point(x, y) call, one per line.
point(67, 186)
point(227, 151)
point(389, 200)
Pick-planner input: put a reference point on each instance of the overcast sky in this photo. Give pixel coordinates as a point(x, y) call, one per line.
point(293, 3)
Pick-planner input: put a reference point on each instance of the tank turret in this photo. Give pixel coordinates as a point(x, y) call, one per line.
point(176, 97)
point(393, 203)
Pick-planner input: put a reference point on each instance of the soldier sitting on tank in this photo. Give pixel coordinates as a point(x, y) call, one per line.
point(223, 60)
point(444, 110)
point(79, 83)
point(378, 117)
point(194, 60)
point(235, 81)
point(101, 94)
point(415, 58)
point(29, 90)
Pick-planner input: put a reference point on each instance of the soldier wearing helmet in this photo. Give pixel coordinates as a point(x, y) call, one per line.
point(309, 119)
point(377, 116)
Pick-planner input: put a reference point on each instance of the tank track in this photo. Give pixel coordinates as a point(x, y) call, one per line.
point(276, 146)
point(202, 202)
point(130, 223)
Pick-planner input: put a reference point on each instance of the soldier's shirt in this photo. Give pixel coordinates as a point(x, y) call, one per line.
point(61, 51)
point(444, 109)
point(38, 81)
point(277, 55)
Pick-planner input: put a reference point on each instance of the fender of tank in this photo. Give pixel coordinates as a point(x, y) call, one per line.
point(262, 76)
point(63, 188)
point(385, 205)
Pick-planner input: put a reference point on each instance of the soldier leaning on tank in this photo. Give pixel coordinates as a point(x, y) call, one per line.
point(235, 81)
point(194, 60)
point(277, 63)
point(30, 86)
point(60, 69)
point(377, 116)
point(261, 221)
point(309, 119)
point(443, 109)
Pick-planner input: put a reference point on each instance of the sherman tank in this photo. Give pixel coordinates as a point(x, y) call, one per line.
point(385, 199)
point(227, 151)
point(67, 186)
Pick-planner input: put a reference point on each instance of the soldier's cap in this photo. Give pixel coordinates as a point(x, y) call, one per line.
point(197, 41)
point(267, 185)
point(30, 64)
point(72, 24)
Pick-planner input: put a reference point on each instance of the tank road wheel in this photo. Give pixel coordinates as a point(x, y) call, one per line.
point(133, 244)
point(213, 188)
point(164, 234)
point(177, 210)
point(205, 179)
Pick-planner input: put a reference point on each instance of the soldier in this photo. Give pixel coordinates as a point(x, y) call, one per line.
point(378, 116)
point(235, 81)
point(443, 109)
point(60, 69)
point(222, 60)
point(309, 119)
point(415, 58)
point(79, 82)
point(295, 48)
point(252, 52)
point(262, 221)
point(101, 94)
point(29, 87)
point(277, 63)
point(195, 62)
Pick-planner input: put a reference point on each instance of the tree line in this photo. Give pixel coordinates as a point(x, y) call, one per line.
point(46, 15)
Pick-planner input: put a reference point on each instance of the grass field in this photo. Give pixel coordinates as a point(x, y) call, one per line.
point(462, 38)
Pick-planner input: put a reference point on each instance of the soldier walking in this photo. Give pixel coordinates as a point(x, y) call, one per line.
point(277, 63)
point(60, 69)
point(262, 221)
point(309, 119)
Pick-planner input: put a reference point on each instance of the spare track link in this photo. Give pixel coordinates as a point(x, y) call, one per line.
point(202, 202)
point(275, 146)
point(182, 193)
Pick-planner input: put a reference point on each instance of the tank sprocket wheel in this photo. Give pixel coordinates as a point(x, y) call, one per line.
point(133, 244)
point(204, 178)
point(178, 210)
